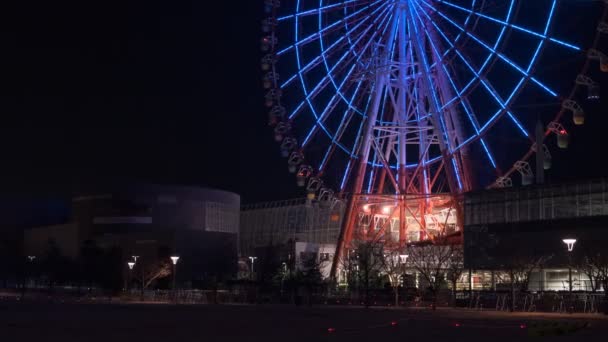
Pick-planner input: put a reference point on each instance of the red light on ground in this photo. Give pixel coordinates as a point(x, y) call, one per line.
point(394, 323)
point(331, 330)
point(523, 326)
point(563, 132)
point(457, 325)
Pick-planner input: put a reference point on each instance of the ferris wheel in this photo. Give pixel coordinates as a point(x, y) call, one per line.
point(400, 106)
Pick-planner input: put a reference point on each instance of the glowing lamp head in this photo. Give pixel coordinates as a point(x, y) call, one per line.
point(386, 209)
point(131, 264)
point(366, 208)
point(570, 243)
point(174, 259)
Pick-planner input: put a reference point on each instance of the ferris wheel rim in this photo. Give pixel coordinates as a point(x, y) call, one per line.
point(505, 111)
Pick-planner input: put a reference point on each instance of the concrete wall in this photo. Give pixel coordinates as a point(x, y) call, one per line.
point(153, 208)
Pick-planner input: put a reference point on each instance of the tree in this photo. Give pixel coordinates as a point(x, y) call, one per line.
point(369, 261)
point(599, 261)
point(91, 261)
point(393, 265)
point(309, 275)
point(349, 266)
point(149, 273)
point(518, 269)
point(110, 274)
point(57, 267)
point(431, 262)
point(455, 269)
point(588, 266)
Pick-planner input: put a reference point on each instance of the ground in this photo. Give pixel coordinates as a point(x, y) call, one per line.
point(162, 322)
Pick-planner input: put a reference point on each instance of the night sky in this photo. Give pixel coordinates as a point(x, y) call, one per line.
point(159, 91)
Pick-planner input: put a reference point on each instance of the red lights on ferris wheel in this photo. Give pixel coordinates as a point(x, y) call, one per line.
point(343, 109)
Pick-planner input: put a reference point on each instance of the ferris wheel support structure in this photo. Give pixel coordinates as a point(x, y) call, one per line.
point(401, 106)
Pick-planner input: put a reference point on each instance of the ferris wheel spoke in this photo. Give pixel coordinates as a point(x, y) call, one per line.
point(324, 82)
point(359, 55)
point(494, 95)
point(335, 99)
point(452, 43)
point(335, 47)
point(344, 124)
point(353, 17)
point(469, 113)
point(515, 27)
point(355, 146)
point(430, 84)
point(497, 98)
point(324, 9)
point(516, 67)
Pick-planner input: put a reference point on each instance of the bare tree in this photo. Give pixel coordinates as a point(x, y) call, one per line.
point(393, 264)
point(588, 266)
point(431, 262)
point(518, 270)
point(600, 263)
point(151, 272)
point(348, 267)
point(368, 264)
point(455, 269)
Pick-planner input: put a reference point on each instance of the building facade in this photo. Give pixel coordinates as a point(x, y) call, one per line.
point(150, 221)
point(528, 224)
point(299, 220)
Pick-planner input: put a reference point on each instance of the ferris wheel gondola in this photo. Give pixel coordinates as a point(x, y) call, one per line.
point(401, 106)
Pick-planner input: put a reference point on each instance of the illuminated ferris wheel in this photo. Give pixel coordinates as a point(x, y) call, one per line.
point(400, 106)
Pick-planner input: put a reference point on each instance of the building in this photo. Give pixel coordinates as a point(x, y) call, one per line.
point(529, 223)
point(150, 221)
point(298, 220)
point(299, 228)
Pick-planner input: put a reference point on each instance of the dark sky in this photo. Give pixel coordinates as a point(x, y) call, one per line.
point(159, 91)
point(155, 91)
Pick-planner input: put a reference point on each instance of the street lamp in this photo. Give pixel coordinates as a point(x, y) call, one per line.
point(570, 244)
point(130, 264)
point(174, 259)
point(252, 258)
point(284, 264)
point(30, 272)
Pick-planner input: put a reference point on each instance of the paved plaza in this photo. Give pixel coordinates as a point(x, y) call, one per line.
point(161, 322)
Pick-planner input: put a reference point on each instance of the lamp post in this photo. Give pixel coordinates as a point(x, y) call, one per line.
point(174, 260)
point(130, 264)
point(570, 244)
point(29, 271)
point(252, 258)
point(31, 258)
point(284, 264)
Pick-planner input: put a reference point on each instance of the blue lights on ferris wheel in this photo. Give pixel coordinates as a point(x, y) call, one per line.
point(431, 77)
